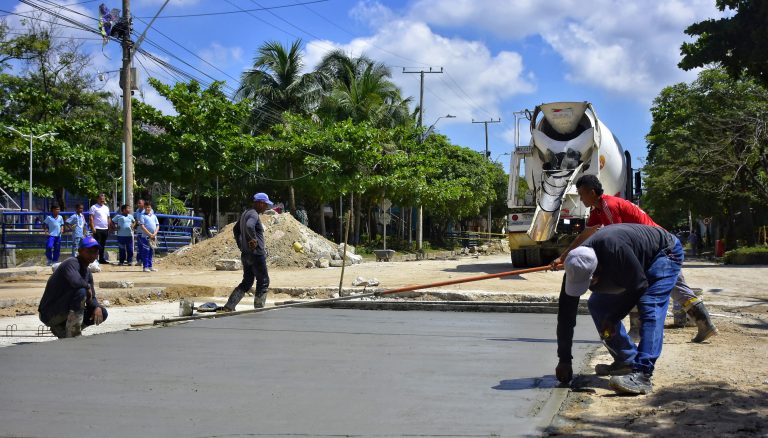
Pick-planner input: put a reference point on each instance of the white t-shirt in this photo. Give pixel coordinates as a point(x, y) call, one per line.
point(100, 216)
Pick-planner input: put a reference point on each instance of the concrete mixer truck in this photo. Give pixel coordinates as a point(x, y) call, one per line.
point(567, 141)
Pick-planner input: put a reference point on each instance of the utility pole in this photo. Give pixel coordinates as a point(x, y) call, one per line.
point(127, 115)
point(488, 157)
point(420, 220)
point(31, 137)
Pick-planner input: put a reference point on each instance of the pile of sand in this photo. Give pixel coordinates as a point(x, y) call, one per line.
point(280, 233)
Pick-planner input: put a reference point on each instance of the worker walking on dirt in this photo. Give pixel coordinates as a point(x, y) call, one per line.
point(607, 210)
point(69, 302)
point(249, 235)
point(625, 265)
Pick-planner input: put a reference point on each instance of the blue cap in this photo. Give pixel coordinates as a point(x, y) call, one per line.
point(262, 197)
point(89, 242)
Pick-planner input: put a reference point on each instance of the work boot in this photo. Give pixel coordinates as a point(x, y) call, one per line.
point(614, 369)
point(700, 314)
point(235, 297)
point(260, 300)
point(634, 383)
point(74, 325)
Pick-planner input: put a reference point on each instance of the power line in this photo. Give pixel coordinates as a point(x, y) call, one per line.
point(207, 14)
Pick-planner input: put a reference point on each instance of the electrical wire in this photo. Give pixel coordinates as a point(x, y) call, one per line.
point(207, 14)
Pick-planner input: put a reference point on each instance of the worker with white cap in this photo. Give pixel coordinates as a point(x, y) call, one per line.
point(249, 236)
point(625, 265)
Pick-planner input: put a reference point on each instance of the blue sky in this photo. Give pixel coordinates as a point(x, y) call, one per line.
point(498, 56)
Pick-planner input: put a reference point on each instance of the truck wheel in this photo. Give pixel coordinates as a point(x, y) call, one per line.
point(533, 257)
point(518, 258)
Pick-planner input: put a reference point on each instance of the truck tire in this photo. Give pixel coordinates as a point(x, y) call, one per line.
point(533, 257)
point(518, 258)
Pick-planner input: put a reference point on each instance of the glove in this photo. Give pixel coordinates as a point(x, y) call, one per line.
point(607, 329)
point(564, 372)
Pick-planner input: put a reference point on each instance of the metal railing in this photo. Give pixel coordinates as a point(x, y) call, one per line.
point(25, 230)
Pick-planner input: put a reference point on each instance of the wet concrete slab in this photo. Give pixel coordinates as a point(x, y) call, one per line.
point(293, 372)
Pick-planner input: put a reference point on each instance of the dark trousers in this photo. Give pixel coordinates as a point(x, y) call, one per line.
point(139, 250)
point(125, 245)
point(147, 253)
point(101, 237)
point(254, 269)
point(76, 302)
point(53, 248)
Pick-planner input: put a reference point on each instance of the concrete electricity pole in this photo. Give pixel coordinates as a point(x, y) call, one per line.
point(420, 221)
point(127, 116)
point(488, 157)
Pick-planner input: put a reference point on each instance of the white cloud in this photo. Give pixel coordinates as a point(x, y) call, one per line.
point(628, 47)
point(475, 81)
point(221, 56)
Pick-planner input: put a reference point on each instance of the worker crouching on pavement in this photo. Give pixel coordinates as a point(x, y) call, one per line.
point(69, 302)
point(249, 236)
point(625, 265)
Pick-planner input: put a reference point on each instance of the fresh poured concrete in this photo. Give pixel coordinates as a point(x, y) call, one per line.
point(294, 372)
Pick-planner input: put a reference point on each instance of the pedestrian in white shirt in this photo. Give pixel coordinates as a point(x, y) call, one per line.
point(100, 224)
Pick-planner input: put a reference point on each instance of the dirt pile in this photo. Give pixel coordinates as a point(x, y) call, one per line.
point(281, 232)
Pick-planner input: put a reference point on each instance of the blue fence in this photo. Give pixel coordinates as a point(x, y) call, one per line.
point(25, 230)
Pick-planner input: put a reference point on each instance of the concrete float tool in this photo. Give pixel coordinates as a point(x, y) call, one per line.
point(352, 297)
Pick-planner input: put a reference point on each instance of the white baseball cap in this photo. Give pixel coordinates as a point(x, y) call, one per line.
point(580, 264)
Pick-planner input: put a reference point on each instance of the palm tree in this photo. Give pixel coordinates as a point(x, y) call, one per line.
point(360, 89)
point(276, 84)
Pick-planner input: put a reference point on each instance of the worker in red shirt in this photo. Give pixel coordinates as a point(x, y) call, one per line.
point(607, 210)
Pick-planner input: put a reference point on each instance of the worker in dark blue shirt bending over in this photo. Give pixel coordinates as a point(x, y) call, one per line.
point(625, 265)
point(69, 302)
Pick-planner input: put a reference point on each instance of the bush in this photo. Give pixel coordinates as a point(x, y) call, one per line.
point(753, 255)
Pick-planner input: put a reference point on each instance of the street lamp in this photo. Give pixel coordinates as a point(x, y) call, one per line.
point(431, 128)
point(31, 137)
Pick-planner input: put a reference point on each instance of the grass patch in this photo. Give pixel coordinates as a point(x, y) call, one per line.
point(752, 255)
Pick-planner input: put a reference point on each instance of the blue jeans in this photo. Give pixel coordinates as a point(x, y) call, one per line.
point(139, 250)
point(53, 248)
point(125, 245)
point(76, 244)
point(652, 307)
point(146, 251)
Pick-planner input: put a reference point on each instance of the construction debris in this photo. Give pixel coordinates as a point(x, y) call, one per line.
point(289, 244)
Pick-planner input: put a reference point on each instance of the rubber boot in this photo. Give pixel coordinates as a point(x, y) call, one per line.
point(700, 314)
point(634, 325)
point(260, 300)
point(74, 325)
point(234, 298)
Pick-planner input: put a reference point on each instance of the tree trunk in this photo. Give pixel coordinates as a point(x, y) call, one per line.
point(357, 218)
point(322, 219)
point(291, 193)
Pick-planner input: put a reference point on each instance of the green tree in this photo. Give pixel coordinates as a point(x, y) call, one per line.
point(707, 152)
point(54, 93)
point(735, 42)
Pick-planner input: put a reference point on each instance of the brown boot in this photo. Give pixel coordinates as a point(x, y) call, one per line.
point(700, 314)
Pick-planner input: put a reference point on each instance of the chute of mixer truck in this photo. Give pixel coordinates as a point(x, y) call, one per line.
point(567, 141)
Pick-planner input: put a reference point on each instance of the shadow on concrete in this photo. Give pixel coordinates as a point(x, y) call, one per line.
point(542, 340)
point(548, 381)
point(487, 268)
point(690, 409)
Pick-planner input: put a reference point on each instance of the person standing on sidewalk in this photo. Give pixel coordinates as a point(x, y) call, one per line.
point(100, 224)
point(148, 240)
point(69, 302)
point(607, 210)
point(137, 214)
point(253, 254)
point(125, 224)
point(625, 265)
point(54, 224)
point(77, 223)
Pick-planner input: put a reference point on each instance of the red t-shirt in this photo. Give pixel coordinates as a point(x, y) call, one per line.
point(613, 210)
